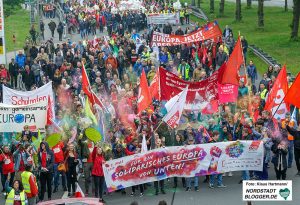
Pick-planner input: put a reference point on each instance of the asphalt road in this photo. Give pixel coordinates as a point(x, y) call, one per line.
point(231, 195)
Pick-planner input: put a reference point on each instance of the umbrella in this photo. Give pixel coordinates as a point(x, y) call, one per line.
point(93, 134)
point(53, 139)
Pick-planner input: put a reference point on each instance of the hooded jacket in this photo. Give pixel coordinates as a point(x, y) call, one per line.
point(49, 158)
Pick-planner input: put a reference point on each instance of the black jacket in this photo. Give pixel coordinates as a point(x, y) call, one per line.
point(279, 156)
point(13, 69)
point(49, 159)
point(28, 78)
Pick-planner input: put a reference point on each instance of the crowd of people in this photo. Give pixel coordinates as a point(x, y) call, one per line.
point(114, 66)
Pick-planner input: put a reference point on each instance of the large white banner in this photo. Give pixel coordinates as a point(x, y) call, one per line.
point(184, 161)
point(13, 118)
point(15, 97)
point(172, 18)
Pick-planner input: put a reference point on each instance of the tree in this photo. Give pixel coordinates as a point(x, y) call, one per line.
point(193, 3)
point(260, 13)
point(221, 10)
point(10, 6)
point(238, 10)
point(285, 5)
point(295, 22)
point(212, 6)
point(249, 4)
point(13, 3)
point(198, 3)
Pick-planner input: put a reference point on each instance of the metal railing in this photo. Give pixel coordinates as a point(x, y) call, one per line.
point(199, 13)
point(263, 55)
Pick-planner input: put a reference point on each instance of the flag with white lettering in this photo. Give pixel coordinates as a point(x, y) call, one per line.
point(209, 31)
point(175, 107)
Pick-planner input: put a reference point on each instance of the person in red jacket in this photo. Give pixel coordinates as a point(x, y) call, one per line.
point(7, 167)
point(97, 172)
point(59, 158)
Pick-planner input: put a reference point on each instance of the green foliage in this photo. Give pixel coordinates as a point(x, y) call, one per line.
point(273, 39)
point(11, 6)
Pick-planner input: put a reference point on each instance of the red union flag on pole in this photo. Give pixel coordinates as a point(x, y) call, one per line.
point(86, 87)
point(175, 107)
point(144, 98)
point(209, 31)
point(236, 59)
point(293, 95)
point(276, 96)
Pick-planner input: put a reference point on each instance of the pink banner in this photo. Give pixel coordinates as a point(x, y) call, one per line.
point(227, 93)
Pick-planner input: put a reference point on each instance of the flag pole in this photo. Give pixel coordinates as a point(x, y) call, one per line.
point(161, 121)
point(247, 79)
point(278, 107)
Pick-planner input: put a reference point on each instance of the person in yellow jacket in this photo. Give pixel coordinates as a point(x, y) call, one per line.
point(290, 123)
point(16, 194)
point(262, 91)
point(181, 16)
point(30, 185)
point(184, 70)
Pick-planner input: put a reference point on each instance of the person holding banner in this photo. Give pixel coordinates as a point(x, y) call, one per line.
point(161, 183)
point(179, 142)
point(191, 141)
point(215, 138)
point(131, 149)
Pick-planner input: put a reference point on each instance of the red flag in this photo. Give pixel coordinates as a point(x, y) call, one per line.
point(144, 98)
point(49, 111)
point(85, 82)
point(293, 94)
point(87, 89)
point(154, 87)
point(211, 108)
point(230, 75)
point(276, 96)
